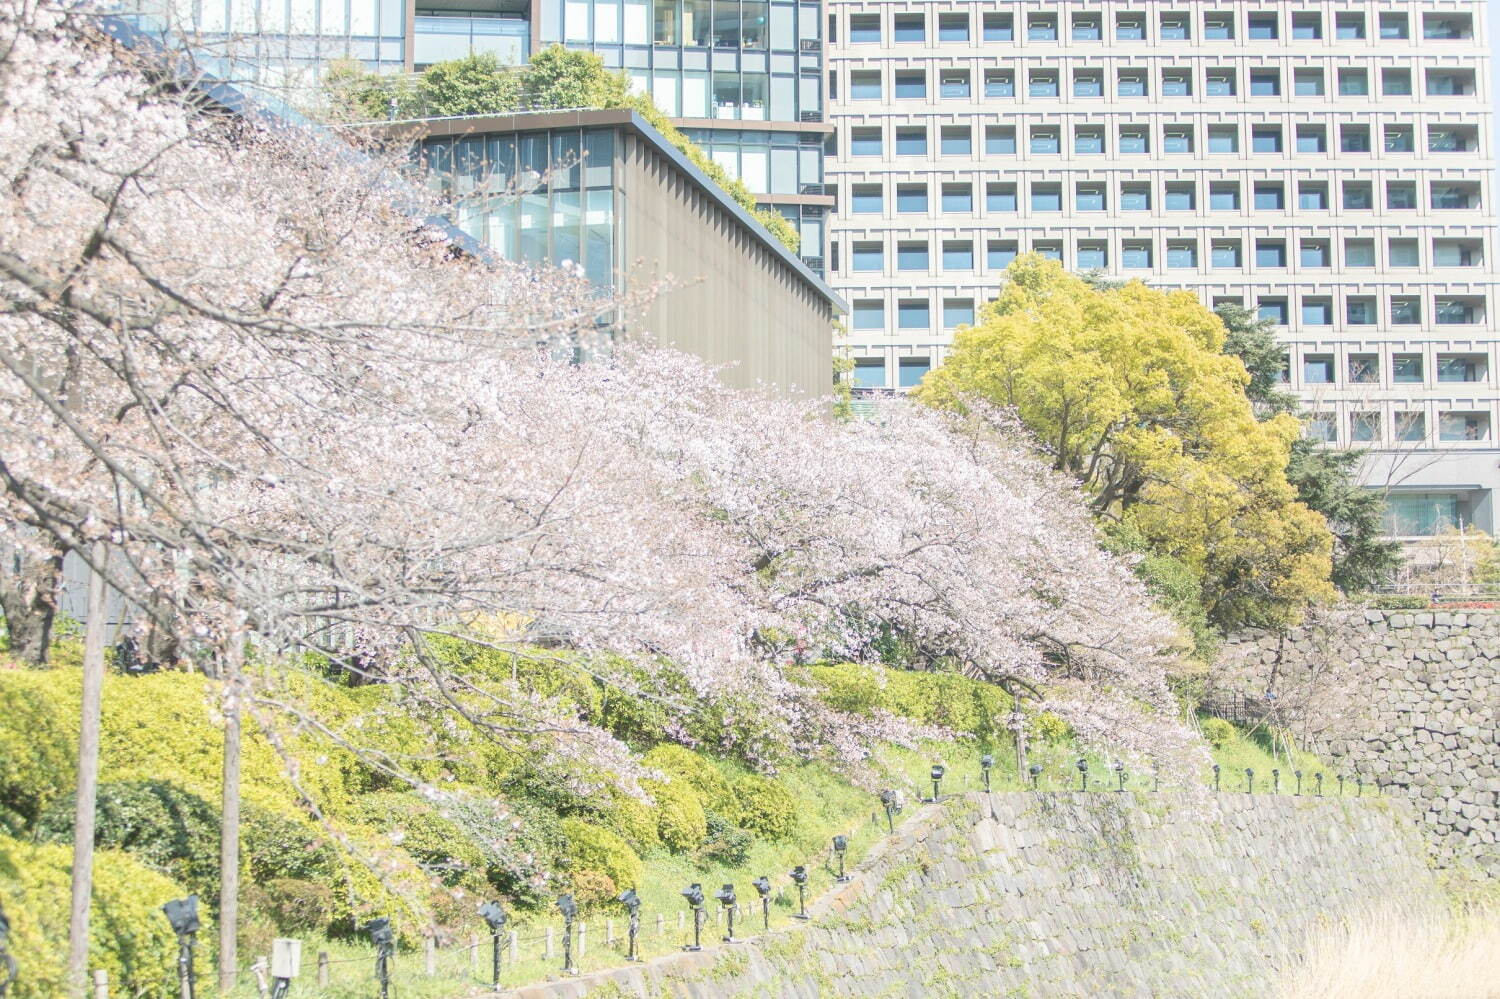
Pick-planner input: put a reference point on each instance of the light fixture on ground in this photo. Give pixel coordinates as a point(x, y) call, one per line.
point(182, 914)
point(1319, 778)
point(1359, 783)
point(763, 889)
point(1155, 778)
point(1083, 774)
point(693, 893)
point(495, 915)
point(569, 910)
point(840, 845)
point(1036, 776)
point(286, 964)
point(1298, 774)
point(1120, 775)
point(1341, 785)
point(985, 763)
point(384, 939)
point(1275, 781)
point(726, 897)
point(632, 903)
point(1216, 776)
point(1249, 781)
point(892, 804)
point(799, 878)
point(937, 780)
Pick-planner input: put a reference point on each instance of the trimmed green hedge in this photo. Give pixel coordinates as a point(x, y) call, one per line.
point(765, 806)
point(594, 848)
point(947, 699)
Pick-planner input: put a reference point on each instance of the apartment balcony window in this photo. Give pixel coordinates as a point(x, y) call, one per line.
point(1135, 197)
point(1461, 367)
point(1358, 195)
point(1269, 198)
point(1315, 253)
point(912, 370)
point(1359, 253)
point(1262, 27)
point(1265, 139)
point(1452, 140)
point(1354, 83)
point(1135, 254)
point(864, 85)
point(913, 314)
point(1393, 26)
point(1270, 253)
point(953, 84)
point(999, 254)
point(999, 83)
point(1176, 83)
point(1312, 197)
point(1401, 195)
point(999, 28)
point(1406, 369)
point(957, 312)
point(1046, 140)
point(1272, 310)
point(1457, 311)
point(1089, 198)
point(1321, 427)
point(958, 199)
point(1411, 427)
point(1224, 196)
point(1447, 27)
point(953, 27)
point(864, 142)
point(1088, 140)
point(1406, 311)
point(1307, 25)
point(869, 314)
point(1403, 253)
point(1395, 82)
point(1181, 197)
point(911, 141)
point(1087, 28)
point(1364, 369)
point(1265, 83)
point(1135, 140)
point(1457, 253)
point(1312, 139)
point(1223, 139)
point(1000, 139)
point(1041, 27)
point(1354, 138)
point(1449, 196)
point(911, 199)
point(1130, 27)
point(1399, 139)
point(1359, 312)
point(1364, 427)
point(1046, 198)
point(956, 140)
point(866, 199)
point(1000, 199)
point(1307, 83)
point(958, 255)
point(1219, 83)
point(911, 85)
point(869, 373)
point(1088, 83)
point(1218, 26)
point(1318, 312)
point(1224, 254)
point(910, 28)
point(1042, 83)
point(1175, 27)
point(1182, 254)
point(864, 29)
point(1093, 255)
point(1450, 83)
point(1131, 83)
point(867, 257)
point(1459, 427)
point(1177, 139)
point(1050, 249)
point(1349, 26)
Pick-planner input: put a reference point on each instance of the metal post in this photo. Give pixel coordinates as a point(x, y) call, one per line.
point(1216, 776)
point(383, 970)
point(1249, 781)
point(1319, 778)
point(698, 928)
point(635, 928)
point(1036, 777)
point(186, 976)
point(765, 912)
point(1298, 775)
point(1341, 785)
point(1275, 781)
point(568, 968)
point(495, 959)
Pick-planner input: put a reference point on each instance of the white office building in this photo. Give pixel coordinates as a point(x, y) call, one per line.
point(1328, 163)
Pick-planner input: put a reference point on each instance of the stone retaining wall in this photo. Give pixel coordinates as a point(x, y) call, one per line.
point(1417, 709)
point(1068, 894)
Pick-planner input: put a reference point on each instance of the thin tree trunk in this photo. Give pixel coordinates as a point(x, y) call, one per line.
point(28, 598)
point(229, 837)
point(88, 780)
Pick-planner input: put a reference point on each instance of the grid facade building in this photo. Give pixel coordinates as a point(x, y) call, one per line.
point(1327, 164)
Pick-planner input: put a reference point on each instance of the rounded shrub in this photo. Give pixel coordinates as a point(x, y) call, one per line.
point(765, 807)
point(633, 820)
point(592, 889)
point(680, 822)
point(704, 778)
point(594, 848)
point(726, 842)
point(414, 824)
point(1219, 732)
point(1049, 727)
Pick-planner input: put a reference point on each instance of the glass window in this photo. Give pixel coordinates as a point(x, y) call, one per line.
point(958, 312)
point(1182, 254)
point(1134, 139)
point(864, 141)
point(1401, 194)
point(1307, 25)
point(1042, 83)
point(1087, 27)
point(912, 370)
point(1460, 368)
point(1395, 82)
point(953, 27)
point(1349, 25)
point(1223, 139)
point(1273, 310)
point(1093, 255)
point(1224, 253)
point(1224, 196)
point(869, 372)
point(1219, 83)
point(1409, 515)
point(1181, 197)
point(1411, 426)
point(1088, 83)
point(1046, 197)
point(956, 140)
point(1135, 254)
point(958, 198)
point(1177, 139)
point(1312, 139)
point(1354, 82)
point(1307, 83)
point(864, 85)
point(1354, 138)
point(999, 254)
point(1041, 27)
point(1453, 312)
point(1269, 197)
point(1262, 27)
point(1175, 27)
point(999, 139)
point(1360, 312)
point(911, 198)
point(1266, 138)
point(1130, 27)
point(1000, 198)
point(911, 257)
point(1393, 25)
point(864, 28)
point(1090, 198)
point(911, 141)
point(1218, 25)
point(1446, 26)
point(953, 83)
point(1364, 427)
point(1088, 140)
point(913, 314)
point(1135, 197)
point(1270, 253)
point(1312, 197)
point(1406, 311)
point(869, 314)
point(1265, 83)
point(911, 84)
point(999, 83)
point(1315, 253)
point(1358, 195)
point(1321, 427)
point(1364, 369)
point(1176, 83)
point(1403, 253)
point(999, 28)
point(1048, 249)
point(958, 255)
point(1318, 312)
point(866, 199)
point(1399, 139)
point(868, 257)
point(1359, 253)
point(1131, 83)
point(909, 28)
point(1045, 140)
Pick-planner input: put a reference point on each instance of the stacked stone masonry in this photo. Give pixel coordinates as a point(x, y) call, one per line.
point(1069, 894)
point(1423, 691)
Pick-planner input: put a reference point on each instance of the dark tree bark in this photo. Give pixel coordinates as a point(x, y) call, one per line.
point(28, 596)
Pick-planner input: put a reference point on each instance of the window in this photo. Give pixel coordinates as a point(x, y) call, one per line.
point(999, 28)
point(868, 257)
point(953, 83)
point(958, 255)
point(1269, 197)
point(1088, 140)
point(1087, 27)
point(1448, 140)
point(1050, 249)
point(956, 140)
point(1307, 25)
point(1453, 312)
point(1319, 312)
point(869, 372)
point(1000, 198)
point(912, 256)
point(1354, 138)
point(1403, 253)
point(1045, 140)
point(869, 314)
point(1393, 25)
point(1399, 139)
point(1134, 139)
point(1046, 197)
point(1312, 139)
point(1450, 253)
point(1218, 25)
point(1451, 197)
point(864, 85)
point(911, 141)
point(864, 141)
point(1460, 368)
point(1131, 83)
point(1093, 255)
point(1353, 82)
point(1089, 198)
point(1447, 26)
point(1358, 195)
point(1176, 83)
point(999, 83)
point(1410, 426)
point(1270, 253)
point(958, 312)
point(1463, 427)
point(1321, 427)
point(1449, 84)
point(911, 199)
point(1312, 196)
point(1135, 197)
point(1364, 427)
point(1135, 254)
point(866, 199)
point(999, 253)
point(864, 28)
point(1401, 195)
point(1307, 83)
point(1181, 197)
point(1272, 309)
point(1041, 83)
point(1406, 310)
point(1182, 254)
point(1224, 196)
point(1130, 27)
point(1219, 83)
point(912, 370)
point(1317, 369)
point(958, 198)
point(1088, 83)
point(1223, 139)
point(1177, 139)
point(1000, 139)
point(953, 27)
point(1364, 369)
point(1360, 311)
point(913, 314)
point(1265, 139)
point(1395, 82)
point(1349, 25)
point(1265, 83)
point(1041, 27)
point(1224, 253)
point(910, 28)
point(1315, 253)
point(1262, 27)
point(911, 84)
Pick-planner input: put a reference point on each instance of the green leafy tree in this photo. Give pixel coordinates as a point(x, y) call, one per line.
point(475, 84)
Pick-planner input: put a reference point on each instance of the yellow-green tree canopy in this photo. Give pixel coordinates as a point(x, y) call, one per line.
point(1129, 390)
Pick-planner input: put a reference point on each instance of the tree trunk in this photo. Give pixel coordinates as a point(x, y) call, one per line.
point(229, 837)
point(28, 598)
point(88, 781)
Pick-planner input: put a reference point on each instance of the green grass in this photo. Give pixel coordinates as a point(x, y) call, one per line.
point(1255, 749)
